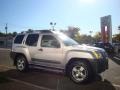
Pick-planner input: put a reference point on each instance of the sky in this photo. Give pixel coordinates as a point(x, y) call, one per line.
point(20, 15)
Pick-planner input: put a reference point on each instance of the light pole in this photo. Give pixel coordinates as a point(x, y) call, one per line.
point(6, 34)
point(91, 36)
point(90, 33)
point(119, 31)
point(53, 25)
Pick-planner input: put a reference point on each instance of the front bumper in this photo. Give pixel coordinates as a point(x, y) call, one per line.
point(100, 65)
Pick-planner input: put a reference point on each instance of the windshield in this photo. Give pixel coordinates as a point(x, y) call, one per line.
point(67, 40)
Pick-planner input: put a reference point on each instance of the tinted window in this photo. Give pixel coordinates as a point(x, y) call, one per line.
point(18, 39)
point(49, 41)
point(32, 39)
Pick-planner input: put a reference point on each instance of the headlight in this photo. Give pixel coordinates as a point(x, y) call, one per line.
point(98, 55)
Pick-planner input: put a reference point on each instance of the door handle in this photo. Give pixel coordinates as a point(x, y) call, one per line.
point(40, 49)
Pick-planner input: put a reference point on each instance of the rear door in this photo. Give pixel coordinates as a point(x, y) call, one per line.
point(32, 44)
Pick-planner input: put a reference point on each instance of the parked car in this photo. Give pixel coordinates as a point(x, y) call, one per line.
point(116, 48)
point(106, 46)
point(54, 51)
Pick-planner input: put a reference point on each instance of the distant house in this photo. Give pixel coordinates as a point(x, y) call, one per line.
point(6, 41)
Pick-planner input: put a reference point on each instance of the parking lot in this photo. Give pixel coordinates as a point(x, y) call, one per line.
point(44, 80)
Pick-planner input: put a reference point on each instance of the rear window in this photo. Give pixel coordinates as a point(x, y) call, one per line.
point(18, 39)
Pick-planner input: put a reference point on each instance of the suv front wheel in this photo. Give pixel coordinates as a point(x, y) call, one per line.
point(21, 63)
point(80, 71)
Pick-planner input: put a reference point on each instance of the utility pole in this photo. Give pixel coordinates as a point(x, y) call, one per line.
point(6, 27)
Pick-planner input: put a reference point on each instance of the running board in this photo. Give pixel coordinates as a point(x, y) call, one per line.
point(58, 70)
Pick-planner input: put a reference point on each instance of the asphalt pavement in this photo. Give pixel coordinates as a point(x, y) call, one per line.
point(36, 79)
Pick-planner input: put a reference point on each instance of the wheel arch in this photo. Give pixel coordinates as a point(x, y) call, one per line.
point(18, 54)
point(74, 60)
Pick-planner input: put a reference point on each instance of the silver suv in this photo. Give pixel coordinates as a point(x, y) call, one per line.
point(54, 51)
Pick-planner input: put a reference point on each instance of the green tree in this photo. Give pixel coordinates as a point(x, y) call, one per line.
point(119, 27)
point(116, 38)
point(73, 32)
point(2, 34)
point(14, 34)
point(86, 39)
point(97, 37)
point(30, 30)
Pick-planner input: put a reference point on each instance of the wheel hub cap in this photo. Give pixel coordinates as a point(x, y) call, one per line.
point(79, 73)
point(20, 64)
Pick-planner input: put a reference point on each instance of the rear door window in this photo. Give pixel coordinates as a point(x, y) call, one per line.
point(32, 39)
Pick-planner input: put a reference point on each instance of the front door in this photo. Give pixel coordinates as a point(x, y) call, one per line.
point(50, 51)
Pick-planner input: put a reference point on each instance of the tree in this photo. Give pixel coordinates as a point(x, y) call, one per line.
point(30, 30)
point(86, 39)
point(119, 27)
point(73, 32)
point(97, 37)
point(14, 34)
point(116, 38)
point(2, 34)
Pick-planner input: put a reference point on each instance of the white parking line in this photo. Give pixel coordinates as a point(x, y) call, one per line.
point(7, 67)
point(29, 84)
point(58, 82)
point(23, 82)
point(116, 58)
point(5, 49)
point(115, 85)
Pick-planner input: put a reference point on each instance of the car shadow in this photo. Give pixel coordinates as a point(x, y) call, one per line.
point(57, 81)
point(96, 84)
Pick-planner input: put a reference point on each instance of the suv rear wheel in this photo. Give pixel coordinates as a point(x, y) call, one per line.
point(21, 63)
point(80, 71)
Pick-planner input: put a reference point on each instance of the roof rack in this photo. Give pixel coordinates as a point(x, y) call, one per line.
point(37, 31)
point(43, 31)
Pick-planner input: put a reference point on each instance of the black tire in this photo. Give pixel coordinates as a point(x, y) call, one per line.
point(80, 72)
point(21, 63)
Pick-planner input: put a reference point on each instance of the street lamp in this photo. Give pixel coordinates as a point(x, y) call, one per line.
point(91, 36)
point(53, 25)
point(90, 33)
point(119, 31)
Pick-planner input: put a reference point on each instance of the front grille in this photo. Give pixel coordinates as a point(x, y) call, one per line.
point(103, 63)
point(104, 54)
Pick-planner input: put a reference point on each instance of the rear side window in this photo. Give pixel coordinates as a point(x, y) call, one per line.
point(19, 39)
point(32, 39)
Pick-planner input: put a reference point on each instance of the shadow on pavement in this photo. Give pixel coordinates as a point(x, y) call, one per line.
point(3, 80)
point(114, 59)
point(97, 84)
point(57, 81)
